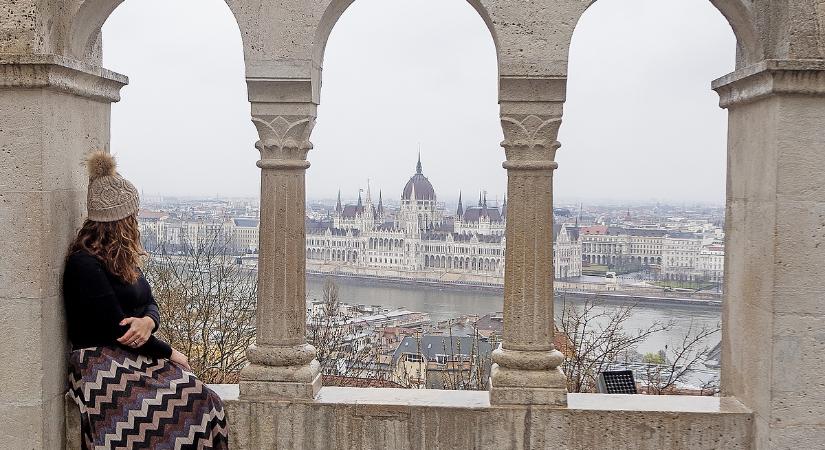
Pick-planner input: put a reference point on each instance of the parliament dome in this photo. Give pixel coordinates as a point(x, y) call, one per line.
point(420, 185)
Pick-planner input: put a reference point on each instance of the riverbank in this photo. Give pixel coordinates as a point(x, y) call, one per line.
point(614, 297)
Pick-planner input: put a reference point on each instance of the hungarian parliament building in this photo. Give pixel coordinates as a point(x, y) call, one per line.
point(422, 240)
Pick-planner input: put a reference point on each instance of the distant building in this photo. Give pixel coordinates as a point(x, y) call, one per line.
point(443, 362)
point(244, 232)
point(423, 238)
point(615, 246)
point(711, 262)
point(678, 255)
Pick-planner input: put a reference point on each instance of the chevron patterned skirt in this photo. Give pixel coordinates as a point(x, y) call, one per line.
point(130, 401)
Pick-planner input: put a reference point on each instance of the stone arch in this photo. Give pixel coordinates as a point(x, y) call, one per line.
point(749, 46)
point(333, 12)
point(86, 24)
point(84, 30)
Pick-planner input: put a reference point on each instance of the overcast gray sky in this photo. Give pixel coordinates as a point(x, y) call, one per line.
point(641, 122)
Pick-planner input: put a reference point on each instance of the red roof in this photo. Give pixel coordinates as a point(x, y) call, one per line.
point(149, 214)
point(594, 229)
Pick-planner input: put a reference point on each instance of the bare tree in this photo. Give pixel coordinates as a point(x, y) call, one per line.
point(326, 326)
point(465, 369)
point(208, 304)
point(680, 362)
point(595, 339)
point(344, 346)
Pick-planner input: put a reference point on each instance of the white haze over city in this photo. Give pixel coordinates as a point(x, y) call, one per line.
point(640, 124)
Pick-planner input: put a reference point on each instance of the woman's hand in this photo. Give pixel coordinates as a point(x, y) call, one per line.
point(180, 359)
point(140, 329)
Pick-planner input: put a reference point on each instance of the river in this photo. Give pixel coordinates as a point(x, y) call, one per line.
point(444, 304)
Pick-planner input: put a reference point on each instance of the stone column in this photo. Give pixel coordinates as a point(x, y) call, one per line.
point(53, 111)
point(773, 316)
point(526, 369)
point(282, 364)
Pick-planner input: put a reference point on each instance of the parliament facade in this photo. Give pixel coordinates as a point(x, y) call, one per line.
point(421, 240)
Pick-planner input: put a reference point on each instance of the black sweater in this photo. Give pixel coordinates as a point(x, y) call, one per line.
point(96, 301)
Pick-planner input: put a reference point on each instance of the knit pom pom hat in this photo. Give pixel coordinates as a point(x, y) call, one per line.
point(110, 197)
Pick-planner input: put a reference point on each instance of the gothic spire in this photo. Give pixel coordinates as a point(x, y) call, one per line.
point(360, 203)
point(418, 166)
point(338, 207)
point(504, 207)
point(380, 204)
point(485, 200)
point(459, 213)
point(479, 199)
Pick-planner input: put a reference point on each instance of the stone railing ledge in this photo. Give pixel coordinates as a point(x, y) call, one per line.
point(656, 403)
point(227, 392)
point(481, 399)
point(404, 397)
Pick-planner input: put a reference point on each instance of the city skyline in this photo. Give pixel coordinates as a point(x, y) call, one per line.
point(351, 198)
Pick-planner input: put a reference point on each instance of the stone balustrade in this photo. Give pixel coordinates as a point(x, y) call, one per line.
point(376, 418)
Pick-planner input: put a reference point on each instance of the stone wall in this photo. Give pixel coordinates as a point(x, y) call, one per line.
point(350, 418)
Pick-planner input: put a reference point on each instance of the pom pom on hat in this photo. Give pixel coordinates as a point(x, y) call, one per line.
point(100, 164)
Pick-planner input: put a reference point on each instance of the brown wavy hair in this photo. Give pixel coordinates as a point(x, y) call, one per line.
point(116, 244)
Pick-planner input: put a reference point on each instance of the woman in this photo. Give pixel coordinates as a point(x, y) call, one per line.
point(133, 389)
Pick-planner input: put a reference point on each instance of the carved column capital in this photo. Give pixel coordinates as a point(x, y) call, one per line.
point(530, 140)
point(284, 140)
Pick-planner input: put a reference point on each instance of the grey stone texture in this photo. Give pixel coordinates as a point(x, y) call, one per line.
point(55, 107)
point(347, 418)
point(773, 335)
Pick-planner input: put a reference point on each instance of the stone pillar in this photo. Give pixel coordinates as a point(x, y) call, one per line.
point(282, 364)
point(53, 111)
point(773, 317)
point(526, 369)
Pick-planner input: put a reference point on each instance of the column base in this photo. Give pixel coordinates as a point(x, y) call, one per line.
point(280, 390)
point(507, 395)
point(281, 373)
point(527, 378)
